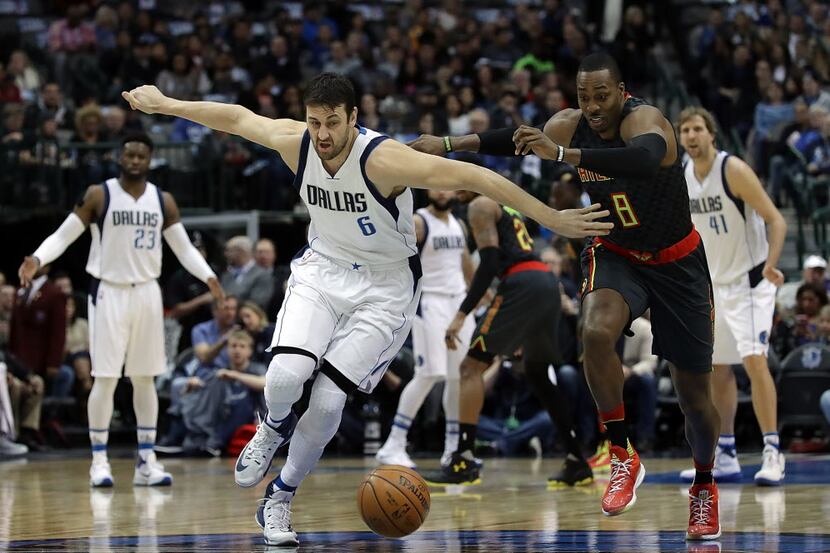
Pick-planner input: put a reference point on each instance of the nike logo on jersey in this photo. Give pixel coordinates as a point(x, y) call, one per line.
point(335, 200)
point(134, 218)
point(707, 204)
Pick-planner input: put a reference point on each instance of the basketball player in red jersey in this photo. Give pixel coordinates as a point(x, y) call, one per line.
point(627, 158)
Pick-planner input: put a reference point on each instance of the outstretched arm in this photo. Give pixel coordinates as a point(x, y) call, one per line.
point(393, 166)
point(646, 136)
point(86, 210)
point(186, 253)
point(282, 135)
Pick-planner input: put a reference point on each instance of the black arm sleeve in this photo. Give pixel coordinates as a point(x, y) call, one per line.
point(641, 158)
point(486, 271)
point(497, 142)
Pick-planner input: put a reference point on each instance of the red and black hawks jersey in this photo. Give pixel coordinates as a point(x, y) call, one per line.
point(649, 214)
point(515, 243)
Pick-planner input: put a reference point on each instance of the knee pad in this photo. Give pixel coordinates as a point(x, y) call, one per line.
point(289, 370)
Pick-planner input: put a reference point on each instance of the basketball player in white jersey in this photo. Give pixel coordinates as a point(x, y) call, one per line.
point(447, 268)
point(128, 216)
point(354, 289)
point(729, 209)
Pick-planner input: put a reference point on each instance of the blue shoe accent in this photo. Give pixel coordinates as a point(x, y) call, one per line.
point(105, 483)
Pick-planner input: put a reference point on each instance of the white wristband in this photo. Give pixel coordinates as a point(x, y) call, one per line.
point(57, 242)
point(186, 253)
point(560, 153)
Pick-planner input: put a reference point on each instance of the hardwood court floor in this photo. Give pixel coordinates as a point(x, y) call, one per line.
point(48, 506)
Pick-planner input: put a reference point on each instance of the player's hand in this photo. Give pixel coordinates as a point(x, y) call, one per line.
point(451, 336)
point(773, 275)
point(147, 98)
point(27, 270)
point(578, 223)
point(531, 139)
point(215, 289)
point(429, 144)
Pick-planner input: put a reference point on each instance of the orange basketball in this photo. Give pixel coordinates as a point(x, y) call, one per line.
point(393, 501)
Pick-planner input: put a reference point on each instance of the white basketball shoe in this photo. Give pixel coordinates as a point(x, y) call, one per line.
point(726, 469)
point(274, 517)
point(394, 453)
point(151, 473)
point(100, 474)
point(772, 468)
point(255, 459)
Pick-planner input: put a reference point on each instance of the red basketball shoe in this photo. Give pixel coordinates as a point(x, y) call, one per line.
point(626, 476)
point(703, 512)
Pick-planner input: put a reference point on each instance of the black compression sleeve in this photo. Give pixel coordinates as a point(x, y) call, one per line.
point(641, 158)
point(497, 142)
point(487, 270)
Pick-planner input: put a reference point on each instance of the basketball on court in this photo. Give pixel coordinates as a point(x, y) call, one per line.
point(393, 501)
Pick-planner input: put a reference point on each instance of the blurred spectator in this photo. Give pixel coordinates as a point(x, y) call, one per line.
point(63, 282)
point(106, 27)
point(8, 448)
point(803, 328)
point(368, 113)
point(339, 59)
point(50, 103)
point(458, 121)
point(91, 164)
point(265, 255)
point(215, 405)
point(115, 119)
point(818, 157)
point(814, 272)
point(12, 143)
point(183, 80)
point(9, 91)
point(187, 298)
point(824, 325)
point(781, 157)
point(38, 333)
point(255, 322)
point(278, 62)
point(210, 337)
point(71, 35)
point(639, 365)
point(813, 94)
point(512, 416)
point(770, 115)
point(632, 49)
point(26, 77)
point(7, 294)
point(26, 396)
point(243, 277)
point(77, 345)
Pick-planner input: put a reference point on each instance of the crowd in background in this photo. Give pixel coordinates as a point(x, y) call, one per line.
point(436, 68)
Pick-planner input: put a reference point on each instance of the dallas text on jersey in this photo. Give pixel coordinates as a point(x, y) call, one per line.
point(335, 200)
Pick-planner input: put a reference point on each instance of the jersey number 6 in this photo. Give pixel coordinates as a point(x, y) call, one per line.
point(366, 226)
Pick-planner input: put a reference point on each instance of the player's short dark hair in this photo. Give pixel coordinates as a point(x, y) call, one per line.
point(138, 137)
point(598, 62)
point(330, 90)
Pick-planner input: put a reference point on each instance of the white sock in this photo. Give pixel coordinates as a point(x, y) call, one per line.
point(452, 389)
point(771, 438)
point(284, 381)
point(727, 443)
point(412, 397)
point(99, 411)
point(315, 429)
point(146, 407)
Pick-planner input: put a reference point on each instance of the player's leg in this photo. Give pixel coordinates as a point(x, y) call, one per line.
point(378, 310)
point(613, 295)
point(430, 354)
point(109, 333)
point(314, 430)
point(750, 316)
point(145, 360)
point(303, 330)
point(452, 390)
point(682, 323)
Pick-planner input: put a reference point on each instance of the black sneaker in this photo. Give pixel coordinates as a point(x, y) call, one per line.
point(460, 470)
point(573, 473)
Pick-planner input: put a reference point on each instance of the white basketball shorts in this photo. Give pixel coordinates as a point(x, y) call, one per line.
point(355, 317)
point(434, 315)
point(126, 329)
point(743, 320)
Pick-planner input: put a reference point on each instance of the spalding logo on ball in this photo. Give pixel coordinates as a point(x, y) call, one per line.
point(393, 501)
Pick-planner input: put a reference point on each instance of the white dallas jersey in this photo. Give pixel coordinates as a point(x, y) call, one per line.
point(733, 233)
point(126, 240)
point(350, 220)
point(441, 255)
